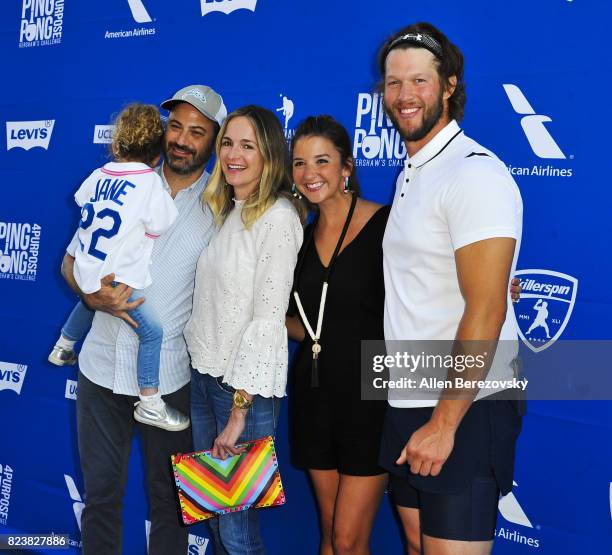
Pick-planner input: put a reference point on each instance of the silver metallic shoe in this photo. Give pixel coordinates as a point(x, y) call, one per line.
point(62, 357)
point(165, 417)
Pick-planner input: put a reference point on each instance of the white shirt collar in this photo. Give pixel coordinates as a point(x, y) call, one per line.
point(433, 147)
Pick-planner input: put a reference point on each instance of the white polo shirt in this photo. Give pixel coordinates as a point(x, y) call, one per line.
point(452, 192)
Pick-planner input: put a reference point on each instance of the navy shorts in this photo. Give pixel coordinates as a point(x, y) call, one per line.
point(461, 502)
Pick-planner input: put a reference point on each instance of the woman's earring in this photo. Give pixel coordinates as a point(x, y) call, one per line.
point(347, 187)
point(295, 192)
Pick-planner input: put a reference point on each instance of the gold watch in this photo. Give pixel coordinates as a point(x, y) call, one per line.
point(241, 402)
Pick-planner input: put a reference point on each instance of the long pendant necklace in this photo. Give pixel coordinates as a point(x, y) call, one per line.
point(315, 335)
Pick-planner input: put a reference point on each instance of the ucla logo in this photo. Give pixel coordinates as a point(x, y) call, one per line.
point(12, 376)
point(71, 389)
point(103, 134)
point(547, 301)
point(226, 6)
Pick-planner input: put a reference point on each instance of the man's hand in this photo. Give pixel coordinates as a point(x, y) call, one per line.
point(113, 300)
point(225, 444)
point(428, 448)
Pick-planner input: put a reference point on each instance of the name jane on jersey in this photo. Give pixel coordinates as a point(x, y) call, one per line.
point(111, 189)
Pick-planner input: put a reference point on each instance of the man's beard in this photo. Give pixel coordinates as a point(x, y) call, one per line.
point(430, 118)
point(185, 166)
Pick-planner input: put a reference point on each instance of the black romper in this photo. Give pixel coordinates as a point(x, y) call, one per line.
point(330, 426)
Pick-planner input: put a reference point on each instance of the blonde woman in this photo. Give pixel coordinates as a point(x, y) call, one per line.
point(236, 335)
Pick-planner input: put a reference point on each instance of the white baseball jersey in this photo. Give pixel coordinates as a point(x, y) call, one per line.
point(124, 208)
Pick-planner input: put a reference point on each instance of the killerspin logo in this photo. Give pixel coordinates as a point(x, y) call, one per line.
point(226, 6)
point(29, 134)
point(547, 301)
point(42, 23)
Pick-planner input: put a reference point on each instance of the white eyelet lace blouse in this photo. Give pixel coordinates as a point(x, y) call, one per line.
point(242, 288)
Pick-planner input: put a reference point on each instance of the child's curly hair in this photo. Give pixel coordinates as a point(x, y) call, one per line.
point(138, 133)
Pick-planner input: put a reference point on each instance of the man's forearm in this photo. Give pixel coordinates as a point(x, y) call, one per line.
point(67, 270)
point(477, 334)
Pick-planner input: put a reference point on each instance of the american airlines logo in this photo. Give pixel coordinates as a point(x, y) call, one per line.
point(75, 496)
point(226, 6)
point(540, 140)
point(511, 510)
point(139, 15)
point(139, 12)
point(513, 513)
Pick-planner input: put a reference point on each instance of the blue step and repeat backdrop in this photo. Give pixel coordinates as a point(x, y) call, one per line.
point(538, 76)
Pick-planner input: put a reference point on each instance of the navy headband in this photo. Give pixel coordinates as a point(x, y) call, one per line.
point(421, 40)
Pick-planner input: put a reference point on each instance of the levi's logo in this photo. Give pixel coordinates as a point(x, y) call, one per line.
point(29, 134)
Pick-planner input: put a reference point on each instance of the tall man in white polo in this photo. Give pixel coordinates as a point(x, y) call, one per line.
point(451, 243)
point(107, 387)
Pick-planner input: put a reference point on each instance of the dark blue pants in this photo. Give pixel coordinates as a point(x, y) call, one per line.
point(105, 427)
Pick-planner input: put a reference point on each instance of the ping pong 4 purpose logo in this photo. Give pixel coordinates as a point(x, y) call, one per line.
point(41, 23)
point(376, 141)
point(547, 301)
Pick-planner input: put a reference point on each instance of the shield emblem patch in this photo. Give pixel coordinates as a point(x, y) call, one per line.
point(547, 301)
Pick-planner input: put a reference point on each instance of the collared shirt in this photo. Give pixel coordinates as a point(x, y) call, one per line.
point(452, 192)
point(108, 356)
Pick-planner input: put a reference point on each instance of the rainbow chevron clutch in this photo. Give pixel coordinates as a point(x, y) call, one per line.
point(209, 487)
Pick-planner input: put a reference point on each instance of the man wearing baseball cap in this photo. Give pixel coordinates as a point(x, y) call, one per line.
point(107, 388)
